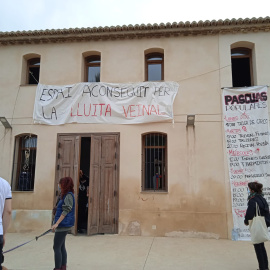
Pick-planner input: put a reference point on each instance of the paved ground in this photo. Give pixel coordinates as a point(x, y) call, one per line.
point(113, 252)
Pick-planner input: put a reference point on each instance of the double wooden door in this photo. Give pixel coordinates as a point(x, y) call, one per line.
point(103, 200)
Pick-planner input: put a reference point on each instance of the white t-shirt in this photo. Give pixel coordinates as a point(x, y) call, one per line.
point(5, 194)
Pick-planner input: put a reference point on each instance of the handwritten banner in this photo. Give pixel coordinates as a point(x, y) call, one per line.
point(246, 128)
point(105, 103)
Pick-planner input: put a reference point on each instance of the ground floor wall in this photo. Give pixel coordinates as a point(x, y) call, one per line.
point(197, 202)
point(30, 220)
point(178, 224)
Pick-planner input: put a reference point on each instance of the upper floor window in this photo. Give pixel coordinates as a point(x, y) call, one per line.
point(154, 162)
point(24, 163)
point(92, 68)
point(241, 67)
point(154, 67)
point(33, 68)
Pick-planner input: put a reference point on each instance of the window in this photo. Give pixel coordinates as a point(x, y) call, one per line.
point(24, 163)
point(92, 68)
point(33, 67)
point(154, 162)
point(154, 67)
point(241, 67)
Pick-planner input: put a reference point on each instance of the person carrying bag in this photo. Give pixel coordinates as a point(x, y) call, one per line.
point(258, 229)
point(258, 218)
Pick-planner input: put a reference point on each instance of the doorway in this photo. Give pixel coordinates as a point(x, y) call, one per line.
point(97, 155)
point(83, 192)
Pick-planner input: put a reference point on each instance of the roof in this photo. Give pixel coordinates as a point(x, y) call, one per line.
point(137, 31)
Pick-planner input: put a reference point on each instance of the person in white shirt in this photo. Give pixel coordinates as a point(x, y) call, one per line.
point(5, 214)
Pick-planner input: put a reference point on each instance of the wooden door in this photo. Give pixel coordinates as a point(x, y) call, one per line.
point(68, 164)
point(108, 188)
point(103, 193)
point(76, 173)
point(65, 157)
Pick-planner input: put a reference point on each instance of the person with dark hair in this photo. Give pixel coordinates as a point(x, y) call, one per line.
point(63, 221)
point(83, 202)
point(256, 196)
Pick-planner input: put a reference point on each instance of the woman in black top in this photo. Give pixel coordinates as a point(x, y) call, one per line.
point(83, 202)
point(256, 196)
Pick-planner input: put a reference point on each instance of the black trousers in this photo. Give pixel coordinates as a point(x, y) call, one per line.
point(59, 247)
point(82, 212)
point(261, 256)
point(1, 251)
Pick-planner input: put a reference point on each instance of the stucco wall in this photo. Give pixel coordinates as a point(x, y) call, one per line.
point(198, 197)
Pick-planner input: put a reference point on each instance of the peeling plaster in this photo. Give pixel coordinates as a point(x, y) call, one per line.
point(134, 228)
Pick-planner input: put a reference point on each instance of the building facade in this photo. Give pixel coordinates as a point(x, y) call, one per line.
point(164, 178)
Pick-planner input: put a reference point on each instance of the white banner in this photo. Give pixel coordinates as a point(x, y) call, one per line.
point(105, 103)
point(246, 127)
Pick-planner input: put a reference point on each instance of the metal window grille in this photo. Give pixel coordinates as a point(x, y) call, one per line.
point(154, 161)
point(24, 163)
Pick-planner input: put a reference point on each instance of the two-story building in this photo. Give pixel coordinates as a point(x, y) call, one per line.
point(161, 178)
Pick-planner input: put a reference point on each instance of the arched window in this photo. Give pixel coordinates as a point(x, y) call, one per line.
point(33, 69)
point(241, 67)
point(24, 162)
point(92, 68)
point(154, 162)
point(154, 67)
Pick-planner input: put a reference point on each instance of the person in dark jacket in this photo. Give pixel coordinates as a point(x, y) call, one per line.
point(256, 196)
point(63, 221)
point(83, 202)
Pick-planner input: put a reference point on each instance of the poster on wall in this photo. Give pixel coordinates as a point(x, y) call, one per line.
point(246, 126)
point(104, 103)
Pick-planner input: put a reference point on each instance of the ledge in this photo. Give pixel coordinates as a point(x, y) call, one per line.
point(20, 191)
point(154, 192)
point(136, 31)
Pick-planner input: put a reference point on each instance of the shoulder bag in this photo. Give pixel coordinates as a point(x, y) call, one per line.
point(258, 229)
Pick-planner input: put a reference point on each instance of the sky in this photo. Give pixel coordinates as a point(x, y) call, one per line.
point(20, 15)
